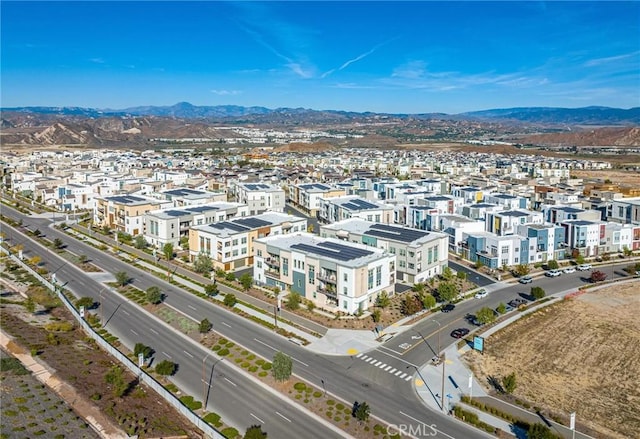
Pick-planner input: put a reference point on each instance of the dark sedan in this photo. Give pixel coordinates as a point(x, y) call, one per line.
point(448, 307)
point(459, 333)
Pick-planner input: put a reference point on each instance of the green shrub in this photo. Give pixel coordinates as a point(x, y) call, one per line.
point(223, 352)
point(213, 419)
point(230, 433)
point(299, 386)
point(266, 366)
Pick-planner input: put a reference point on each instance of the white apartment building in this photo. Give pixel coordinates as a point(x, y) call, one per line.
point(584, 236)
point(229, 244)
point(340, 208)
point(334, 274)
point(420, 255)
point(260, 197)
point(307, 196)
point(169, 225)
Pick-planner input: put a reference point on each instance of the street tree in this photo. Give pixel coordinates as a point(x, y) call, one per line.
point(417, 288)
point(202, 264)
point(537, 293)
point(485, 315)
point(154, 295)
point(428, 301)
point(293, 301)
point(376, 314)
point(598, 276)
point(29, 304)
point(82, 259)
point(255, 432)
point(282, 366)
point(230, 300)
point(246, 280)
point(461, 275)
point(447, 274)
point(447, 291)
point(166, 367)
point(579, 259)
point(87, 302)
point(141, 348)
point(501, 308)
point(553, 264)
point(362, 412)
point(211, 290)
point(58, 244)
point(122, 278)
point(167, 251)
point(411, 304)
point(205, 326)
point(115, 377)
point(139, 242)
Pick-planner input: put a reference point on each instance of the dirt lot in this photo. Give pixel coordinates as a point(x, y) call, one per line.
point(579, 355)
point(618, 177)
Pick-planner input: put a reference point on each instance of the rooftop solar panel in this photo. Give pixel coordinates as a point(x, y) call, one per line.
point(395, 233)
point(176, 213)
point(257, 186)
point(333, 251)
point(200, 209)
point(252, 223)
point(229, 225)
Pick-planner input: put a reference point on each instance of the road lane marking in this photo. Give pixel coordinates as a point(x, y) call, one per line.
point(403, 376)
point(393, 370)
point(230, 382)
point(408, 378)
point(188, 354)
point(283, 416)
point(383, 365)
point(259, 420)
point(126, 312)
point(301, 362)
point(154, 331)
point(263, 343)
point(134, 332)
point(226, 324)
point(359, 355)
point(166, 354)
point(376, 363)
point(424, 423)
point(386, 369)
point(192, 307)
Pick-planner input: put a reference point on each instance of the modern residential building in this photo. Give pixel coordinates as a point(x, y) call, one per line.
point(307, 196)
point(420, 255)
point(625, 211)
point(546, 242)
point(229, 244)
point(340, 208)
point(333, 274)
point(170, 225)
point(496, 251)
point(182, 197)
point(506, 201)
point(260, 197)
point(584, 237)
point(506, 222)
point(125, 212)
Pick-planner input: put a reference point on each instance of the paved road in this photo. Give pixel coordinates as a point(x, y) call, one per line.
point(478, 278)
point(397, 404)
point(239, 401)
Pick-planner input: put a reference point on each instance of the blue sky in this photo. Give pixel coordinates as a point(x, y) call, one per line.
point(395, 57)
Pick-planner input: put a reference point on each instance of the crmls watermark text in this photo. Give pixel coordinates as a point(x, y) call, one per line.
point(418, 430)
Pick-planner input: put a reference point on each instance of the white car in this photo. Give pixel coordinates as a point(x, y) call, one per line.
point(553, 273)
point(584, 267)
point(480, 294)
point(569, 270)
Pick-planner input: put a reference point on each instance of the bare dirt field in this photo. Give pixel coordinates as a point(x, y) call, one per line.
point(579, 355)
point(617, 177)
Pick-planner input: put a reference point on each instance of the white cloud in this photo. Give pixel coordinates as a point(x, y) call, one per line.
point(226, 92)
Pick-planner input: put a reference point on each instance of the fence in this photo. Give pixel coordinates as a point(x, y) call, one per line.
point(144, 377)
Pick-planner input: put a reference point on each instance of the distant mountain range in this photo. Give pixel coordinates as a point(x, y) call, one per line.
point(185, 110)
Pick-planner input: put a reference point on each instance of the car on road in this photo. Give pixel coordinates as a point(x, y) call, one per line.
point(459, 333)
point(584, 267)
point(525, 280)
point(517, 302)
point(569, 270)
point(553, 273)
point(481, 294)
point(448, 307)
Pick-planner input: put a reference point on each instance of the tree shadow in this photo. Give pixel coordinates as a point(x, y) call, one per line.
point(131, 386)
point(495, 383)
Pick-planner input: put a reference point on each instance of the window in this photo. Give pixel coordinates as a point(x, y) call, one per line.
point(235, 252)
point(345, 277)
point(243, 250)
point(435, 252)
point(235, 242)
point(259, 264)
point(402, 264)
point(411, 266)
point(344, 290)
point(370, 277)
point(411, 254)
point(403, 252)
point(378, 276)
point(227, 244)
point(285, 266)
point(259, 252)
point(378, 218)
point(312, 274)
point(243, 240)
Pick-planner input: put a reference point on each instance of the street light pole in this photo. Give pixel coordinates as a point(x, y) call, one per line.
point(439, 330)
point(442, 395)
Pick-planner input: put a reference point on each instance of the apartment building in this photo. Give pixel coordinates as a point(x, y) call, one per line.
point(584, 237)
point(230, 243)
point(496, 251)
point(340, 208)
point(333, 274)
point(170, 225)
point(260, 197)
point(182, 197)
point(625, 211)
point(420, 255)
point(546, 242)
point(506, 222)
point(506, 201)
point(124, 212)
point(558, 214)
point(307, 196)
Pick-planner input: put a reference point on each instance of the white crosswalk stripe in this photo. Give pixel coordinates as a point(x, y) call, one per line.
point(384, 366)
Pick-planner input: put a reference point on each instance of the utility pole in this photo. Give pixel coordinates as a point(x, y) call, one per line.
point(204, 382)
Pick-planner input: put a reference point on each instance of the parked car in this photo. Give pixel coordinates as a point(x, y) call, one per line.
point(508, 308)
point(569, 270)
point(472, 319)
point(481, 294)
point(525, 280)
point(459, 333)
point(553, 273)
point(584, 267)
point(448, 307)
point(517, 302)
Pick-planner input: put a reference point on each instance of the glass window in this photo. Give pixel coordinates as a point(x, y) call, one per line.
point(370, 278)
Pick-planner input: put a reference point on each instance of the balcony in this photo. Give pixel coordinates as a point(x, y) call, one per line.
point(328, 291)
point(272, 272)
point(327, 277)
point(272, 262)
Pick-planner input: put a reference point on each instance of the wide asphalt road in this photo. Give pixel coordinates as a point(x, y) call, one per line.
point(397, 404)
